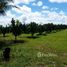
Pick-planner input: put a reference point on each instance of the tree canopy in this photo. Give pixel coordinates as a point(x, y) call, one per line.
point(4, 5)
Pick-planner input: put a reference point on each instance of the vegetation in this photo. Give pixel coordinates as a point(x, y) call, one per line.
point(16, 28)
point(40, 29)
point(4, 6)
point(32, 28)
point(24, 52)
point(30, 48)
point(36, 50)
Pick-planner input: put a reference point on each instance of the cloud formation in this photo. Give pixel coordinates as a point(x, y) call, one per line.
point(23, 1)
point(58, 1)
point(25, 14)
point(45, 7)
point(40, 3)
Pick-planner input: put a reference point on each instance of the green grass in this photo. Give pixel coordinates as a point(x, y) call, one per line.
point(25, 52)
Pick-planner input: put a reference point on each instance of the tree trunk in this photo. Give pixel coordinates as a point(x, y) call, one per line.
point(32, 35)
point(3, 35)
point(40, 33)
point(15, 38)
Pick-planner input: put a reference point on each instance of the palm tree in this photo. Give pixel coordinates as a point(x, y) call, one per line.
point(4, 5)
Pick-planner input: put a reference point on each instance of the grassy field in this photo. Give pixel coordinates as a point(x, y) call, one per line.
point(43, 51)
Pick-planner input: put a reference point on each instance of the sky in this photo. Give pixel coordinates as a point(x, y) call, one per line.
point(39, 11)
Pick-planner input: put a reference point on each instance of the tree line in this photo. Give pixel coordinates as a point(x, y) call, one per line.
point(17, 28)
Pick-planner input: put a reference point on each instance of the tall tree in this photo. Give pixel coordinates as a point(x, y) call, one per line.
point(32, 28)
point(4, 30)
point(16, 29)
point(40, 29)
point(24, 28)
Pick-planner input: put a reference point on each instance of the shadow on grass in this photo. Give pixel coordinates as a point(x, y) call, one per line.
point(34, 37)
point(7, 43)
point(41, 34)
point(4, 36)
point(19, 41)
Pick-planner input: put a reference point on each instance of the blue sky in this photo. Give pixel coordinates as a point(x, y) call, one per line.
point(60, 6)
point(39, 11)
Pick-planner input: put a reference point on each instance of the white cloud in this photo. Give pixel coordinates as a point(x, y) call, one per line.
point(27, 16)
point(6, 20)
point(53, 9)
point(54, 17)
point(34, 4)
point(45, 7)
point(58, 1)
point(51, 17)
point(40, 3)
point(23, 9)
point(23, 1)
point(61, 12)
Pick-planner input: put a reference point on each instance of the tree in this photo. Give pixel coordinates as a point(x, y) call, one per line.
point(4, 30)
point(48, 27)
point(32, 27)
point(40, 29)
point(4, 6)
point(0, 29)
point(24, 28)
point(16, 29)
